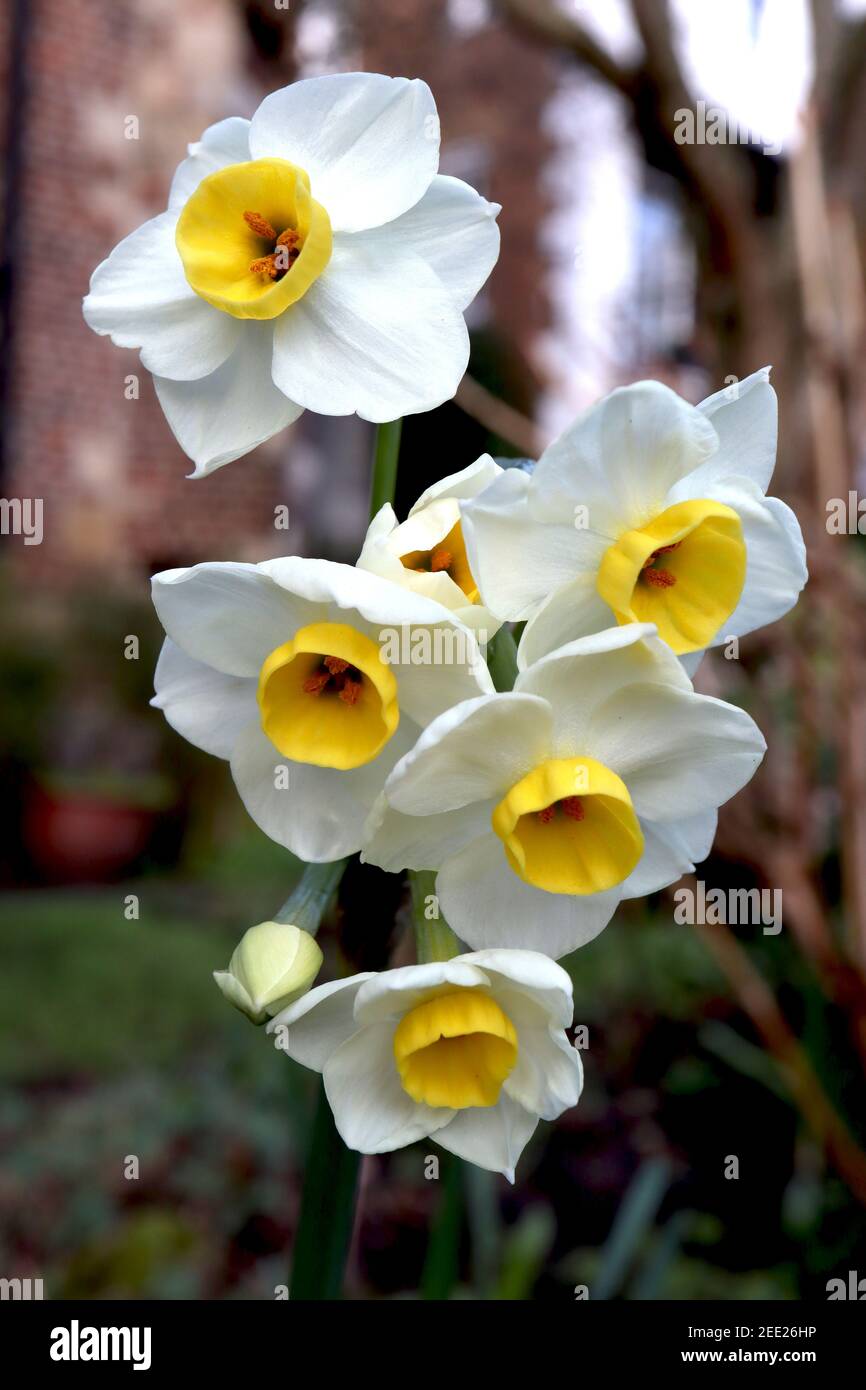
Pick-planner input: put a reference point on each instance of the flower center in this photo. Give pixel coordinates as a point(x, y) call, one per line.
point(251, 238)
point(684, 572)
point(327, 697)
point(455, 1050)
point(447, 557)
point(569, 827)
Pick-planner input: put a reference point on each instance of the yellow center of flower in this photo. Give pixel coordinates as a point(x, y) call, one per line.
point(684, 572)
point(455, 1050)
point(251, 238)
point(328, 698)
point(569, 827)
point(448, 557)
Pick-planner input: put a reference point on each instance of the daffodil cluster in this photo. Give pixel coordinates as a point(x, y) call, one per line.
point(357, 712)
point(314, 258)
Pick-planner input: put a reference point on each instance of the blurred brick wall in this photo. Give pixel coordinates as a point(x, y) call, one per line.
point(112, 478)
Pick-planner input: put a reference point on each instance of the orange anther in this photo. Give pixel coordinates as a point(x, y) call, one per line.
point(660, 579)
point(573, 807)
point(547, 814)
point(265, 265)
point(314, 685)
point(336, 665)
point(260, 225)
point(440, 560)
point(351, 691)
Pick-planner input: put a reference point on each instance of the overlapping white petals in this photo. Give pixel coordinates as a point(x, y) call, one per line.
point(140, 297)
point(377, 335)
point(207, 707)
point(679, 753)
point(230, 412)
point(453, 229)
point(369, 143)
point(346, 1030)
point(380, 332)
point(536, 543)
point(430, 521)
point(620, 698)
point(224, 619)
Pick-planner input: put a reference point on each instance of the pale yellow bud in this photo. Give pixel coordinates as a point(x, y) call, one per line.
point(273, 964)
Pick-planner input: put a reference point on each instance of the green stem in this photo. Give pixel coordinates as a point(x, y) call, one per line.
point(327, 1211)
point(386, 454)
point(442, 1267)
point(434, 939)
point(502, 659)
point(305, 906)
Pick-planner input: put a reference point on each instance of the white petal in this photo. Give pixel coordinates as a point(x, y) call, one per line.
point(745, 417)
point(775, 557)
point(472, 752)
point(141, 298)
point(379, 337)
point(226, 142)
point(571, 611)
point(670, 850)
point(548, 1075)
point(678, 753)
point(393, 841)
point(370, 144)
point(372, 1112)
point(392, 993)
point(516, 560)
point(534, 977)
point(457, 671)
point(318, 813)
point(492, 1137)
point(378, 603)
point(386, 541)
point(229, 615)
point(206, 707)
point(381, 555)
point(582, 676)
point(622, 456)
point(230, 412)
point(453, 229)
point(463, 485)
point(312, 1028)
point(486, 904)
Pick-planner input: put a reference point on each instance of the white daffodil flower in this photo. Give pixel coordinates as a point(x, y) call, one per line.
point(596, 779)
point(312, 679)
point(647, 510)
point(472, 1051)
point(311, 258)
point(273, 964)
point(426, 552)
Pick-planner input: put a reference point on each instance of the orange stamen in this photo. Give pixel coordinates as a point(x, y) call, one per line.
point(260, 225)
point(573, 807)
point(440, 560)
point(351, 691)
point(265, 265)
point(546, 815)
point(336, 665)
point(314, 685)
point(660, 579)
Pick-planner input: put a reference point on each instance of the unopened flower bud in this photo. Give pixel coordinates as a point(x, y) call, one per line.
point(272, 965)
